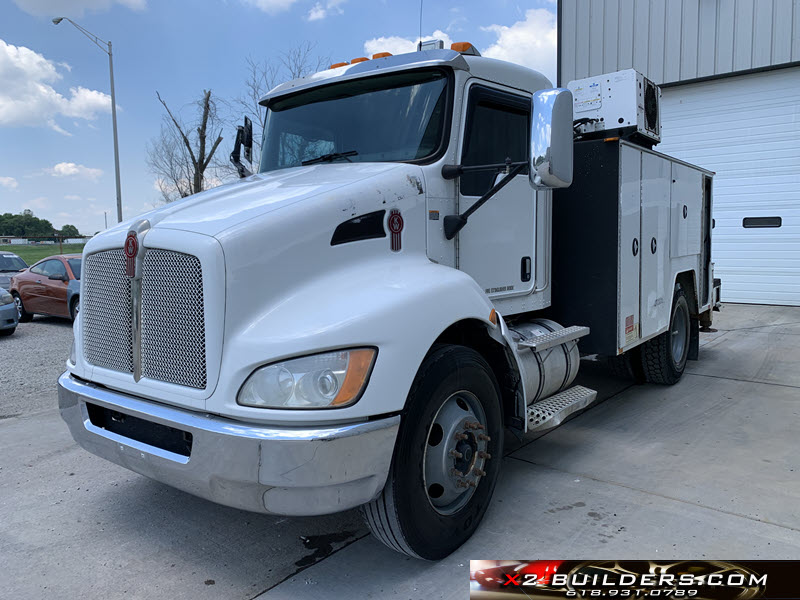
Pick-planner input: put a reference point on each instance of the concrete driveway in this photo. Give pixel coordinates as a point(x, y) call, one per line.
point(708, 468)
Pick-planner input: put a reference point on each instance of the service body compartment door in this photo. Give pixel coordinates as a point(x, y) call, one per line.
point(630, 250)
point(655, 298)
point(687, 196)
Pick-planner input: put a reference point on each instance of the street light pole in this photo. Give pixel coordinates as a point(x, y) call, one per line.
point(116, 143)
point(99, 43)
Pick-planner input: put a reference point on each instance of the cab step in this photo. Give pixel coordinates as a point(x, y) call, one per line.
point(552, 411)
point(554, 338)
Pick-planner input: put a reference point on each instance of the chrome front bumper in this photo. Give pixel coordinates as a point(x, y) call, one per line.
point(278, 470)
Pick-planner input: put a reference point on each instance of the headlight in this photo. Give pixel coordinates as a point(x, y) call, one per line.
point(328, 380)
point(5, 297)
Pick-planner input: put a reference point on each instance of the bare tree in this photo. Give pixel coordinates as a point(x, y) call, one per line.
point(182, 154)
point(264, 75)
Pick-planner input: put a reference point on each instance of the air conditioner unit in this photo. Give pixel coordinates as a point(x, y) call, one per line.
point(624, 104)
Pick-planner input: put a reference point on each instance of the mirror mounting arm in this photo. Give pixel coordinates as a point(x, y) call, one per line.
point(455, 223)
point(236, 155)
point(454, 171)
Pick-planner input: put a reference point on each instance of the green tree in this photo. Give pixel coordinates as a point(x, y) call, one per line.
point(25, 224)
point(70, 231)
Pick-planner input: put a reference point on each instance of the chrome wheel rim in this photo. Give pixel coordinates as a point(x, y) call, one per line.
point(18, 302)
point(455, 453)
point(679, 333)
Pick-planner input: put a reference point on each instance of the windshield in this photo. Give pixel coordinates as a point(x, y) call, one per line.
point(11, 263)
point(75, 265)
point(397, 117)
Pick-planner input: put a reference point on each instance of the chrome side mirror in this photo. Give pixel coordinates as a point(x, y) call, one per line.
point(551, 139)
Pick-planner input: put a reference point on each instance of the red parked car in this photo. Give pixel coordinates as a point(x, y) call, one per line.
point(50, 287)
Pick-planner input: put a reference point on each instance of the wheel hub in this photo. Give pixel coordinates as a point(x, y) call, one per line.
point(455, 453)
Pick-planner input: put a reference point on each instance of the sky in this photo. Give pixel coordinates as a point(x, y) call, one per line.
point(56, 149)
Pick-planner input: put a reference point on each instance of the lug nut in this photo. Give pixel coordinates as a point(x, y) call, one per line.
point(456, 454)
point(485, 455)
point(461, 436)
point(472, 425)
point(461, 483)
point(483, 437)
point(457, 473)
point(479, 472)
point(479, 426)
point(472, 484)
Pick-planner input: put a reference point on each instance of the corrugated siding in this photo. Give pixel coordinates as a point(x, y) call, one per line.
point(747, 130)
point(676, 40)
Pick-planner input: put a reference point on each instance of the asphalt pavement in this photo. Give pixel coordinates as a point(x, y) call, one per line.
point(707, 468)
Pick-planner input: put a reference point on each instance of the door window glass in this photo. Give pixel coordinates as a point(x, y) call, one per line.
point(497, 127)
point(39, 269)
point(54, 268)
point(75, 265)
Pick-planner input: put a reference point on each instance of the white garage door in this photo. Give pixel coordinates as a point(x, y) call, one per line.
point(747, 130)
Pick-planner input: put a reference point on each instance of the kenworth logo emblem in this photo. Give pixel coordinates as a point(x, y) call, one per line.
point(396, 228)
point(131, 250)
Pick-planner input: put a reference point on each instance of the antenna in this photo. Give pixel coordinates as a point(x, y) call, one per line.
point(419, 43)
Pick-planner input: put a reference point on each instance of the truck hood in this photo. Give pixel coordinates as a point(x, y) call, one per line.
point(213, 211)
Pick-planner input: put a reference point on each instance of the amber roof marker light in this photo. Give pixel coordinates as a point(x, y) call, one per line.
point(465, 48)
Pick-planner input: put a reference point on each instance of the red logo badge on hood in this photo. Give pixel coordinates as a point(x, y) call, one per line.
point(396, 228)
point(131, 249)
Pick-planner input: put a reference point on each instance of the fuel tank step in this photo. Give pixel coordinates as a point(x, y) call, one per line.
point(552, 411)
point(554, 338)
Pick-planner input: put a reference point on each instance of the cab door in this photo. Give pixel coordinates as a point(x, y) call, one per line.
point(497, 246)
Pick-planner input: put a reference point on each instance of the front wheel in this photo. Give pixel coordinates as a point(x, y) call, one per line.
point(75, 308)
point(446, 459)
point(664, 357)
point(24, 315)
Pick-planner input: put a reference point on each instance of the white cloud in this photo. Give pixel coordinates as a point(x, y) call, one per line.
point(27, 97)
point(322, 10)
point(73, 8)
point(70, 169)
point(72, 197)
point(271, 7)
point(9, 183)
point(39, 204)
point(400, 45)
point(531, 42)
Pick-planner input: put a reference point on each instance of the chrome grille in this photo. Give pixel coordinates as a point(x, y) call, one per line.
point(173, 337)
point(106, 312)
point(173, 319)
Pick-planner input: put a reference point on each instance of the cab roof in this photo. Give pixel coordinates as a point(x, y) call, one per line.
point(503, 72)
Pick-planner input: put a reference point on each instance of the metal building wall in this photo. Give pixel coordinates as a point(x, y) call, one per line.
point(676, 40)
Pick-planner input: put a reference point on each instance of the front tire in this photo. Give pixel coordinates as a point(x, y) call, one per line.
point(446, 459)
point(24, 315)
point(664, 357)
point(7, 332)
point(74, 308)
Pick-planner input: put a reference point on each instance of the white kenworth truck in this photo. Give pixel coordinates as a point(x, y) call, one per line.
point(358, 322)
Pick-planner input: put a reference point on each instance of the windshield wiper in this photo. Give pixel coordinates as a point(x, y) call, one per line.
point(330, 157)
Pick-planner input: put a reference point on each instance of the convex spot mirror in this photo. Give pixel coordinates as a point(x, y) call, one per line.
point(551, 139)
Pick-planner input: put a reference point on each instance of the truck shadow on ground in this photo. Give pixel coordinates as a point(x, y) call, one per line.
point(218, 541)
